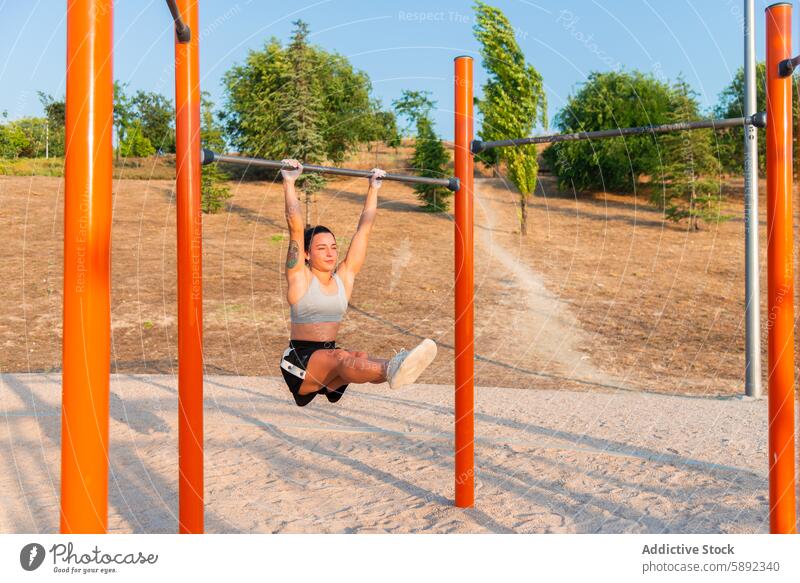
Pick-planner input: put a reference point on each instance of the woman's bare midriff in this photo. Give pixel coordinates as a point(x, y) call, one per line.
point(319, 332)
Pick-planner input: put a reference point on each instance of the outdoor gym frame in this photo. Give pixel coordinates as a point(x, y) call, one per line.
point(87, 231)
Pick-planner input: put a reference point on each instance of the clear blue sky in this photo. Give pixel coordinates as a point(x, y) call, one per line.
point(401, 45)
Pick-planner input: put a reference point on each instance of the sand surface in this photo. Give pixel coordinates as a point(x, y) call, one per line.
point(381, 461)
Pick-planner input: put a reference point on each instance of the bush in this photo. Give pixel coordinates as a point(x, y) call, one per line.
point(35, 132)
point(32, 167)
point(689, 173)
point(608, 101)
point(135, 144)
point(213, 190)
point(12, 141)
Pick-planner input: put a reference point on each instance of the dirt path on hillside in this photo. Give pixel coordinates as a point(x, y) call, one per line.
point(541, 321)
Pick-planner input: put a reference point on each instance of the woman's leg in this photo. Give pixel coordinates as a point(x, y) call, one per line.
point(359, 367)
point(329, 367)
point(339, 381)
point(363, 360)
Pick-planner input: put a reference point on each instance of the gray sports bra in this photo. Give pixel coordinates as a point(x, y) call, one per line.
point(317, 306)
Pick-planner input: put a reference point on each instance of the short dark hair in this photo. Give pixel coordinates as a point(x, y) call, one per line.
point(309, 233)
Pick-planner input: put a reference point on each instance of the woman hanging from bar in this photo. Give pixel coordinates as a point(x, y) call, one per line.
point(318, 294)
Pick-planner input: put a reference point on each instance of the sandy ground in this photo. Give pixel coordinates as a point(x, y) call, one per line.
point(381, 461)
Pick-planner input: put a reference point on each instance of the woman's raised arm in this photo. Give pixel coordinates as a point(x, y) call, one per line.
point(357, 251)
point(294, 219)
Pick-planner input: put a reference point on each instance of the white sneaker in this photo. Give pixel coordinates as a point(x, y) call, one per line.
point(406, 366)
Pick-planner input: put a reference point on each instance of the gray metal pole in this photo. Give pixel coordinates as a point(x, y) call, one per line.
point(752, 308)
point(758, 119)
point(182, 30)
point(209, 157)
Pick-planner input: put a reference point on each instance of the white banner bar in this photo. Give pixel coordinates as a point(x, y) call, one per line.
point(402, 558)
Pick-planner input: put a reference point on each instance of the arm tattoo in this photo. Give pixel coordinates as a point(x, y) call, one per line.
point(293, 255)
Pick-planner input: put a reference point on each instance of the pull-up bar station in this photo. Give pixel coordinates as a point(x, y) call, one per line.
point(87, 230)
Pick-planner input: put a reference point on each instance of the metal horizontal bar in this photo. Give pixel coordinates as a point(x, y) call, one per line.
point(208, 157)
point(182, 30)
point(787, 67)
point(758, 120)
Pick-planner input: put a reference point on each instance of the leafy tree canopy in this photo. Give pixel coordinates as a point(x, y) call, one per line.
point(610, 100)
point(336, 95)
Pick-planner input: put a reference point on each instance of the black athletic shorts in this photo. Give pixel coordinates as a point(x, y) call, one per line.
point(298, 354)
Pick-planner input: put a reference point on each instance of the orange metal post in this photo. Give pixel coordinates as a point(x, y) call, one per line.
point(782, 514)
point(87, 232)
point(464, 292)
point(190, 271)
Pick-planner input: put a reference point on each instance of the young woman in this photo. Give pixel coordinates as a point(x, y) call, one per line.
point(318, 294)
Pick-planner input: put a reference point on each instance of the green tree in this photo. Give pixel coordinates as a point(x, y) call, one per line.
point(606, 101)
point(56, 112)
point(384, 129)
point(349, 113)
point(156, 114)
point(300, 110)
point(253, 91)
point(413, 105)
point(257, 91)
point(35, 130)
point(513, 100)
point(12, 140)
point(123, 115)
point(430, 156)
point(213, 188)
point(135, 144)
point(430, 160)
point(730, 142)
point(690, 185)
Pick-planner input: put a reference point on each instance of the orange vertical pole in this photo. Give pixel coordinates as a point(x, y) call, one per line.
point(87, 254)
point(782, 513)
point(190, 271)
point(464, 289)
